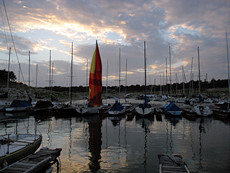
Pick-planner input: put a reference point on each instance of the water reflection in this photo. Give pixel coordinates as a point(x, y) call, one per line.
point(129, 143)
point(95, 142)
point(145, 124)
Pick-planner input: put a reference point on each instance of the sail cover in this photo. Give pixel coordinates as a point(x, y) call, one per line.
point(172, 107)
point(95, 83)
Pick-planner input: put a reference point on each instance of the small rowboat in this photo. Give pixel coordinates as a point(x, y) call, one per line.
point(172, 164)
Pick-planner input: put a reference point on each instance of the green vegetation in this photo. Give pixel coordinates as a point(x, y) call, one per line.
point(215, 88)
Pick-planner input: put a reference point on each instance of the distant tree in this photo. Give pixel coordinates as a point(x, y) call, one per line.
point(213, 82)
point(4, 74)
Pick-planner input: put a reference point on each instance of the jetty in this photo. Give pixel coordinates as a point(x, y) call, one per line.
point(172, 164)
point(37, 162)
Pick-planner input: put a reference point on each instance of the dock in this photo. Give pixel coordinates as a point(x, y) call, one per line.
point(37, 162)
point(172, 164)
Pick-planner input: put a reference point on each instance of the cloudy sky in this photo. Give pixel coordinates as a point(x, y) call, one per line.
point(44, 25)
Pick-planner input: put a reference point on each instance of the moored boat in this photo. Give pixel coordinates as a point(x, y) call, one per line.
point(19, 106)
point(95, 86)
point(145, 108)
point(16, 146)
point(117, 109)
point(202, 110)
point(172, 164)
point(172, 109)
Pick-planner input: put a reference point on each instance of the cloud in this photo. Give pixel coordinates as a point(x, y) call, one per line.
point(44, 25)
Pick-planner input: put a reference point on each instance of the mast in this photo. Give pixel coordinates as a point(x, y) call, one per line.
point(176, 83)
point(166, 76)
point(8, 74)
point(50, 71)
point(107, 72)
point(163, 83)
point(29, 71)
point(119, 73)
point(71, 77)
point(126, 77)
point(52, 75)
point(199, 66)
point(87, 73)
point(145, 65)
point(228, 62)
point(36, 75)
point(183, 75)
point(170, 70)
point(160, 86)
point(191, 80)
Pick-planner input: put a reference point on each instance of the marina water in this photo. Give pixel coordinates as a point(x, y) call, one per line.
point(128, 143)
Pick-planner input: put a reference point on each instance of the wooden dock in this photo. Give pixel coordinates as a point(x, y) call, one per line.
point(37, 162)
point(172, 164)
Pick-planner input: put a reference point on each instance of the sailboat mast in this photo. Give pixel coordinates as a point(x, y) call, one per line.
point(183, 80)
point(163, 87)
point(71, 76)
point(50, 70)
point(170, 70)
point(119, 71)
point(107, 72)
point(160, 86)
point(199, 66)
point(228, 62)
point(87, 74)
point(176, 83)
point(36, 75)
point(166, 76)
point(145, 65)
point(52, 75)
point(29, 71)
point(126, 67)
point(191, 80)
point(8, 74)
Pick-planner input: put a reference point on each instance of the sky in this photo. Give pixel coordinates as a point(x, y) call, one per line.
point(45, 26)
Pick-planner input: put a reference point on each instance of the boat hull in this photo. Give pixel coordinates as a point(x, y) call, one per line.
point(88, 110)
point(144, 111)
point(31, 144)
point(203, 111)
point(17, 109)
point(174, 113)
point(117, 112)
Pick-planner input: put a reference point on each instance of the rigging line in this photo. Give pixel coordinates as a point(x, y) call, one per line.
point(4, 27)
point(14, 44)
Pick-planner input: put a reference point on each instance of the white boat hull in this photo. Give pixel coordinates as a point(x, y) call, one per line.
point(144, 111)
point(117, 112)
point(17, 109)
point(202, 110)
point(88, 110)
point(4, 104)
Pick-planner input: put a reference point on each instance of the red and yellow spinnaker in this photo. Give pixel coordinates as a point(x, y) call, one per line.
point(95, 77)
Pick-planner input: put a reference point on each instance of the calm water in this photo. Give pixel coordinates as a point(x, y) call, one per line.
point(129, 144)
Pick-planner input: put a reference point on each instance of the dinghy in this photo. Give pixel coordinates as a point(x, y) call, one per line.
point(17, 146)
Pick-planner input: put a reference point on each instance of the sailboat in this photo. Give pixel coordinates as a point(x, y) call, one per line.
point(17, 146)
point(14, 147)
point(95, 86)
point(117, 108)
point(145, 108)
point(127, 105)
point(20, 105)
point(201, 109)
